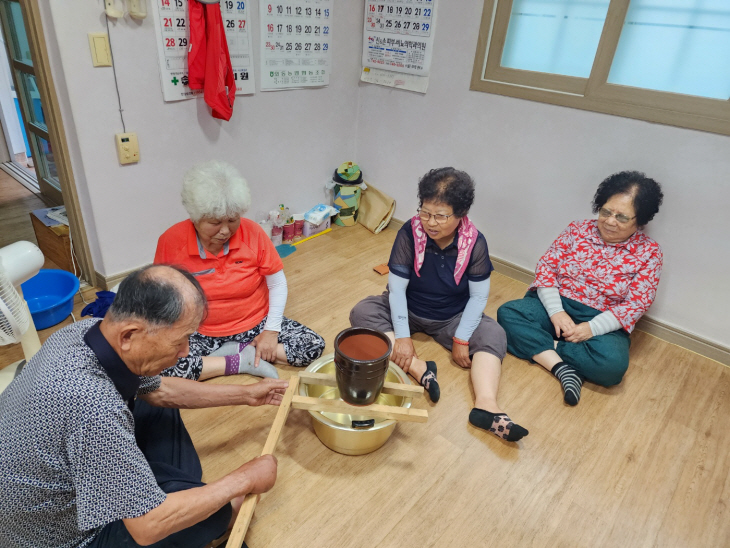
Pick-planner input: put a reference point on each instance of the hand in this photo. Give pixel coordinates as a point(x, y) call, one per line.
point(582, 332)
point(460, 353)
point(563, 324)
point(266, 344)
point(259, 474)
point(265, 392)
point(403, 353)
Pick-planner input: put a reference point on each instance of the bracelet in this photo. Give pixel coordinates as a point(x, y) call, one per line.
point(459, 341)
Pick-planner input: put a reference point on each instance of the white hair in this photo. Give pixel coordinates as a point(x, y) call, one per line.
point(215, 190)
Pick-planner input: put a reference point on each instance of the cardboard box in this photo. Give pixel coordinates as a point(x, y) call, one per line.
point(310, 229)
point(54, 242)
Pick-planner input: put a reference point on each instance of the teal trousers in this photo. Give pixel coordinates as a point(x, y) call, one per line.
point(602, 360)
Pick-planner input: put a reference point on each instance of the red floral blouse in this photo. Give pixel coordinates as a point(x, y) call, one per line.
point(621, 278)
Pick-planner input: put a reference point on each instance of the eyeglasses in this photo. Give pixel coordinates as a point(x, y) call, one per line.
point(426, 216)
point(620, 217)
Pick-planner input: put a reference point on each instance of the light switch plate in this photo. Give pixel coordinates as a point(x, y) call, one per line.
point(100, 51)
point(127, 148)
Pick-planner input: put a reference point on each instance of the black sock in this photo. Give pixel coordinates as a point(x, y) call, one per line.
point(571, 380)
point(498, 424)
point(429, 382)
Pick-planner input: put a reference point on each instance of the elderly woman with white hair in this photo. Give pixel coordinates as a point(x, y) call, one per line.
point(245, 330)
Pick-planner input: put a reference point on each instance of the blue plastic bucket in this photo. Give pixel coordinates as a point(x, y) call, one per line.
point(50, 296)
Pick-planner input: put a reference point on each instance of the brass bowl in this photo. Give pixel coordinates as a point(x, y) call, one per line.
point(335, 430)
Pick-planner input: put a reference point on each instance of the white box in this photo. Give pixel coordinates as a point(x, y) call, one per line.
point(310, 230)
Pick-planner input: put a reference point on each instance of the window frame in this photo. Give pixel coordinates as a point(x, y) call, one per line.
point(593, 93)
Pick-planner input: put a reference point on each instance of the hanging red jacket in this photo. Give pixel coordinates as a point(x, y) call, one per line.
point(209, 63)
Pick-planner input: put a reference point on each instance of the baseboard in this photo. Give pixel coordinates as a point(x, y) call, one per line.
point(107, 282)
point(395, 224)
point(687, 340)
point(512, 270)
point(84, 293)
point(647, 324)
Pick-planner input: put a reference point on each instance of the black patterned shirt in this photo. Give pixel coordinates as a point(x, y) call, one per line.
point(69, 462)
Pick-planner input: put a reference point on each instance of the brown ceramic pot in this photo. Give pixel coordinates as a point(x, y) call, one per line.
point(361, 363)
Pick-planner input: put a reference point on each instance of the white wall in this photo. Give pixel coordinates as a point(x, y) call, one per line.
point(537, 167)
point(284, 143)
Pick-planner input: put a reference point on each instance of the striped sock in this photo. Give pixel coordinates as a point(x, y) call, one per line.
point(571, 381)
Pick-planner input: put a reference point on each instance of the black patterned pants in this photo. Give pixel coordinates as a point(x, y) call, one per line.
point(301, 345)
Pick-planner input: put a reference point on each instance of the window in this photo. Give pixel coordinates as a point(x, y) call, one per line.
point(665, 61)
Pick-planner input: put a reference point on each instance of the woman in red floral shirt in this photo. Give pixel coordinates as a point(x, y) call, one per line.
point(591, 287)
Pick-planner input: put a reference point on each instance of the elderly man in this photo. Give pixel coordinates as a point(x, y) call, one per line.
point(93, 451)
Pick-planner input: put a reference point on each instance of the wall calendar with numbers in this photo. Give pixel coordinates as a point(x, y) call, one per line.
point(399, 35)
point(296, 45)
point(173, 37)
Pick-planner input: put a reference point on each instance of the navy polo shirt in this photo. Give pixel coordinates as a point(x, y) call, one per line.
point(434, 294)
point(126, 382)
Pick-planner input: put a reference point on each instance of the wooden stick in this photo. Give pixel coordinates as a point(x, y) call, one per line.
point(312, 236)
point(394, 388)
point(240, 527)
point(375, 410)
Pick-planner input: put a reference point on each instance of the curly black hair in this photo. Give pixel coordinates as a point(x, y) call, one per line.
point(448, 186)
point(647, 193)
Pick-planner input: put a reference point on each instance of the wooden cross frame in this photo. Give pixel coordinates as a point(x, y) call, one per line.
point(240, 527)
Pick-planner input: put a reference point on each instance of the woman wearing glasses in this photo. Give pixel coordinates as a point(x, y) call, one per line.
point(438, 284)
point(591, 287)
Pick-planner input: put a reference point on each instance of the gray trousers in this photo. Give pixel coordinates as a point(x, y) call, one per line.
point(374, 312)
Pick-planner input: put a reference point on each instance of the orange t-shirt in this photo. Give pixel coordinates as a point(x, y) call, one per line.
point(234, 283)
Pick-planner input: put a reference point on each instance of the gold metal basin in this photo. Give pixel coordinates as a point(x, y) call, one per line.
point(335, 430)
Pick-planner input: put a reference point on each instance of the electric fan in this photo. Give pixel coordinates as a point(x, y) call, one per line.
point(18, 262)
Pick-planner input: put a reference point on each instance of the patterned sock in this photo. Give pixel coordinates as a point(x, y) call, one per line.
point(429, 382)
point(571, 380)
point(498, 424)
point(243, 363)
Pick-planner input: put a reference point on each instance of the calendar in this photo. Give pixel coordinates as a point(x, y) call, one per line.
point(296, 45)
point(399, 35)
point(173, 41)
point(238, 34)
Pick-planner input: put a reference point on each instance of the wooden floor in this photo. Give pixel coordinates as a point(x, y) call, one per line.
point(642, 464)
point(16, 202)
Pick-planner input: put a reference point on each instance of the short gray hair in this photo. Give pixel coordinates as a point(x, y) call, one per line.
point(215, 190)
point(148, 294)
